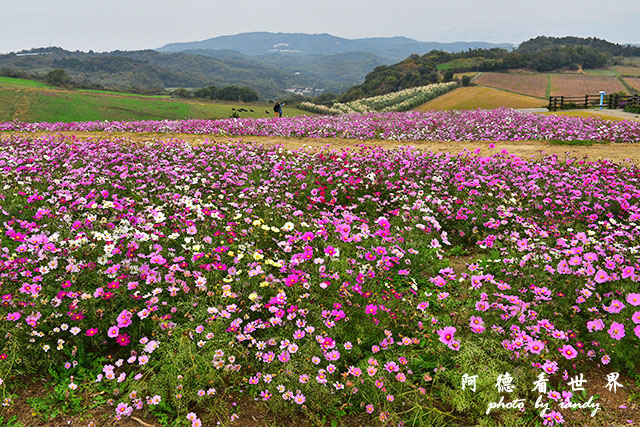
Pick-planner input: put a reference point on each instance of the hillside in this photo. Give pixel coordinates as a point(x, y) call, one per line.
point(30, 101)
point(413, 71)
point(153, 71)
point(540, 54)
point(299, 44)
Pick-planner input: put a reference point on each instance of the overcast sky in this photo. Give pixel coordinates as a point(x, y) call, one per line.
point(144, 24)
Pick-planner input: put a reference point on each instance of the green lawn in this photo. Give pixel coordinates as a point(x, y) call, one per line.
point(31, 101)
point(12, 82)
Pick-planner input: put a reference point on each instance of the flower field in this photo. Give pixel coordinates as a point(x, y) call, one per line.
point(191, 282)
point(475, 125)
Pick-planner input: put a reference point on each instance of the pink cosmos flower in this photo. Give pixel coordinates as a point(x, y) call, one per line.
point(14, 317)
point(446, 334)
point(291, 280)
point(595, 325)
point(391, 367)
point(535, 347)
point(113, 332)
point(91, 332)
point(568, 351)
point(616, 331)
point(601, 276)
point(634, 299)
point(371, 309)
point(423, 306)
point(123, 409)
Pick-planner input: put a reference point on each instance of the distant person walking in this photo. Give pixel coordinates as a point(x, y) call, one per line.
point(277, 109)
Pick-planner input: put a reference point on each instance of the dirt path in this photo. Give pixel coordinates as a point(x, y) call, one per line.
point(522, 149)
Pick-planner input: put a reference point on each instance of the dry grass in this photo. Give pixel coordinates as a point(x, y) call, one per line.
point(629, 71)
point(634, 82)
point(467, 98)
point(580, 85)
point(527, 84)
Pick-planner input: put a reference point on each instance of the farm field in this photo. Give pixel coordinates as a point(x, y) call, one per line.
point(34, 102)
point(628, 71)
point(471, 97)
point(527, 84)
point(580, 85)
point(634, 82)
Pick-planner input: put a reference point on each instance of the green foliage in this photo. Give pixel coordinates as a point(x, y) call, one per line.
point(11, 422)
point(574, 142)
point(182, 93)
point(466, 80)
point(228, 93)
point(58, 78)
point(413, 71)
point(447, 76)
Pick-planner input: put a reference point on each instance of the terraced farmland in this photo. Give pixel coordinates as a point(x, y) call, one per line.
point(634, 82)
point(629, 71)
point(580, 84)
point(527, 84)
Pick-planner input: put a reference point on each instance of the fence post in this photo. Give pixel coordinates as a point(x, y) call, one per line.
point(562, 102)
point(586, 101)
point(550, 104)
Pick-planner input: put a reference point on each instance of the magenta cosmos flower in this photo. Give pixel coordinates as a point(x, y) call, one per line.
point(446, 334)
point(123, 339)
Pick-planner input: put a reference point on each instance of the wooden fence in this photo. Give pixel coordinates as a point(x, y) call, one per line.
point(609, 101)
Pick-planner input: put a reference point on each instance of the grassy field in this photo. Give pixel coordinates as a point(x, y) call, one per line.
point(526, 84)
point(580, 84)
point(460, 63)
point(601, 72)
point(471, 97)
point(32, 101)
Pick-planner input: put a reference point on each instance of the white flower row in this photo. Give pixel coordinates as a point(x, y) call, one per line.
point(402, 100)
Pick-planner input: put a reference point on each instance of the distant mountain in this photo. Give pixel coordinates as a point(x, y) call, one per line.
point(333, 73)
point(264, 43)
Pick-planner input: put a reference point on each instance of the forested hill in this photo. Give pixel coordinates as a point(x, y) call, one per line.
point(414, 71)
point(602, 46)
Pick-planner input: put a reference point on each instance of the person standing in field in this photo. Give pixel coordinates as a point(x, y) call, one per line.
point(277, 109)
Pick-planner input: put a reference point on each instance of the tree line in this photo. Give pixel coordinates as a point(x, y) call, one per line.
point(227, 93)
